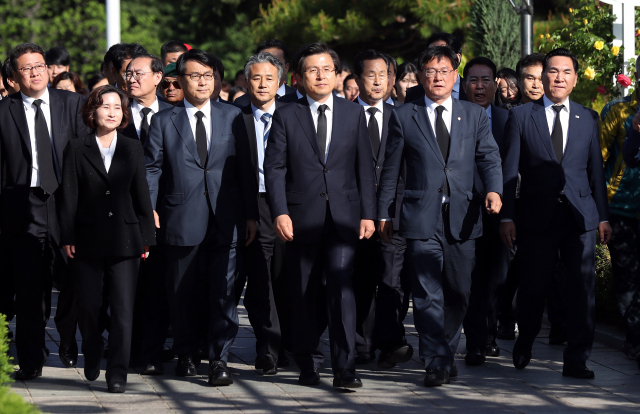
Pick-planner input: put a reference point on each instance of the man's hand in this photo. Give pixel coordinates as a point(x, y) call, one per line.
point(367, 228)
point(250, 234)
point(636, 122)
point(157, 219)
point(605, 231)
point(508, 233)
point(283, 227)
point(70, 250)
point(385, 229)
point(493, 203)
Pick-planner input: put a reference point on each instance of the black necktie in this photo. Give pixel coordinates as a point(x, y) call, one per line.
point(442, 136)
point(48, 178)
point(322, 130)
point(144, 125)
point(556, 134)
point(374, 131)
point(201, 138)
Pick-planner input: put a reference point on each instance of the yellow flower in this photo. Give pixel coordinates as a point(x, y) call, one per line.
point(589, 73)
point(548, 36)
point(599, 45)
point(586, 21)
point(615, 50)
point(570, 10)
point(586, 8)
point(541, 36)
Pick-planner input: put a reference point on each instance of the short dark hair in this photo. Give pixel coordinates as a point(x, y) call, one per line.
point(238, 73)
point(438, 52)
point(391, 62)
point(57, 56)
point(273, 44)
point(108, 57)
point(7, 72)
point(511, 77)
point(348, 78)
point(172, 46)
point(344, 67)
point(317, 49)
point(94, 101)
point(23, 49)
point(481, 60)
point(561, 51)
point(371, 54)
point(156, 63)
point(530, 60)
point(74, 78)
point(405, 69)
point(92, 81)
point(126, 51)
point(452, 41)
point(201, 56)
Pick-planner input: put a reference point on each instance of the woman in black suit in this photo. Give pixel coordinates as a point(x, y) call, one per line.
point(107, 225)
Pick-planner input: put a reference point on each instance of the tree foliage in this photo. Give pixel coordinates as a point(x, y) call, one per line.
point(495, 34)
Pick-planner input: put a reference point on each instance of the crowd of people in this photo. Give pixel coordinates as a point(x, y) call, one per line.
point(151, 198)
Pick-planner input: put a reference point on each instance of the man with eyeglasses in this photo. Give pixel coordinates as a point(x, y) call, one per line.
point(443, 141)
point(170, 89)
point(35, 126)
point(321, 191)
point(203, 191)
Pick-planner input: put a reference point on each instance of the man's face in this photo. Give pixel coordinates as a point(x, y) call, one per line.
point(436, 84)
point(197, 91)
point(263, 83)
point(373, 81)
point(55, 70)
point(109, 73)
point(171, 57)
point(480, 85)
point(351, 90)
point(559, 79)
point(119, 75)
point(141, 81)
point(171, 90)
point(319, 76)
point(531, 83)
point(32, 82)
point(279, 54)
point(391, 80)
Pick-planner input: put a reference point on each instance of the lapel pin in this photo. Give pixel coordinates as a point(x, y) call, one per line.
point(459, 119)
point(577, 116)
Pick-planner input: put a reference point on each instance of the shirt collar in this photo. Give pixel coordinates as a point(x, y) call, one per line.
point(282, 90)
point(299, 94)
point(390, 101)
point(379, 105)
point(257, 113)
point(315, 104)
point(29, 100)
point(448, 104)
point(155, 106)
point(548, 104)
point(488, 111)
point(191, 110)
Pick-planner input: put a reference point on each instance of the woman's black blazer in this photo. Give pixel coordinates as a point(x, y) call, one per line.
point(105, 214)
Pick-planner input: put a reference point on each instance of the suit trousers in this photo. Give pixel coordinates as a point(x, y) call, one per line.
point(211, 265)
point(488, 276)
point(7, 292)
point(259, 299)
point(329, 260)
point(119, 275)
point(440, 270)
point(537, 257)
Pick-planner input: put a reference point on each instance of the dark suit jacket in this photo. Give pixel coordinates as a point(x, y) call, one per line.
point(529, 151)
point(15, 151)
point(130, 129)
point(417, 92)
point(631, 148)
point(105, 214)
point(297, 178)
point(411, 137)
point(245, 99)
point(226, 179)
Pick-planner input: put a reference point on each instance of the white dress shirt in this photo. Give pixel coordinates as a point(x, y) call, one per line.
point(136, 113)
point(446, 117)
point(313, 106)
point(564, 118)
point(261, 144)
point(206, 119)
point(380, 107)
point(107, 153)
point(282, 91)
point(30, 111)
point(489, 115)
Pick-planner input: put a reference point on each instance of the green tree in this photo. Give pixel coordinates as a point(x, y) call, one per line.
point(494, 32)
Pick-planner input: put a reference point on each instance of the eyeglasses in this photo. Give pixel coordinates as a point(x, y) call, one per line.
point(27, 69)
point(431, 73)
point(168, 82)
point(135, 75)
point(196, 76)
point(315, 71)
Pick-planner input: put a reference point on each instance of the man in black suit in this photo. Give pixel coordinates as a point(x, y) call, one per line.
point(203, 189)
point(553, 143)
point(120, 57)
point(35, 126)
point(492, 256)
point(443, 141)
point(263, 72)
point(391, 81)
point(441, 39)
point(321, 192)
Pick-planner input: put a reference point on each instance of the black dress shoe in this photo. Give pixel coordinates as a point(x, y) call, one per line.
point(507, 331)
point(346, 379)
point(363, 358)
point(28, 375)
point(474, 358)
point(309, 377)
point(152, 369)
point(492, 349)
point(436, 377)
point(283, 361)
point(521, 359)
point(185, 367)
point(267, 363)
point(116, 387)
point(91, 374)
point(557, 335)
point(577, 371)
point(219, 373)
point(168, 354)
point(454, 370)
point(399, 354)
point(68, 357)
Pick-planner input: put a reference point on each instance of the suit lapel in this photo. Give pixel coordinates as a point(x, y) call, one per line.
point(458, 116)
point(20, 118)
point(422, 120)
point(180, 120)
point(92, 153)
point(119, 160)
point(57, 107)
point(306, 121)
point(247, 116)
point(216, 119)
point(573, 135)
point(386, 115)
point(540, 119)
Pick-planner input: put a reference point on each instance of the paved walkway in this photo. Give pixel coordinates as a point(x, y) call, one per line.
point(494, 387)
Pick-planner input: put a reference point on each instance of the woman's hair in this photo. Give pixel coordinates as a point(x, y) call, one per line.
point(234, 90)
point(94, 101)
point(512, 80)
point(75, 79)
point(406, 68)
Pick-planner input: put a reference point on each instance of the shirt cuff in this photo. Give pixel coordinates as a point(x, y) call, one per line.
point(384, 219)
point(506, 221)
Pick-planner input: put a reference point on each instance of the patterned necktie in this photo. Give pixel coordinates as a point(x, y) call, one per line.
point(374, 130)
point(144, 125)
point(46, 169)
point(556, 135)
point(201, 138)
point(266, 119)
